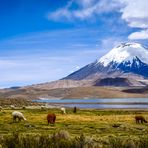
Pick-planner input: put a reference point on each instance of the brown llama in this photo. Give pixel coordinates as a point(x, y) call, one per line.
point(140, 119)
point(51, 117)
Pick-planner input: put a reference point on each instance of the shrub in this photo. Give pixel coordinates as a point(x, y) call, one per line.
point(143, 142)
point(62, 139)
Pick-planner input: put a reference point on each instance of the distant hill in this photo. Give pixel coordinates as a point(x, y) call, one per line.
point(114, 82)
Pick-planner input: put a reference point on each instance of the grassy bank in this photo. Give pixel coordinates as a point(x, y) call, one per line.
point(95, 124)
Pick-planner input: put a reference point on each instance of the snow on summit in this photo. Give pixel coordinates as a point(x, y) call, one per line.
point(125, 60)
point(125, 52)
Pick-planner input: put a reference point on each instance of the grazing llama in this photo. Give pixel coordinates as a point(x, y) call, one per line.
point(140, 119)
point(18, 115)
point(63, 110)
point(74, 109)
point(51, 117)
point(12, 106)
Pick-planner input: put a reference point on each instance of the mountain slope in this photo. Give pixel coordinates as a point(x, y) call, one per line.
point(117, 82)
point(127, 58)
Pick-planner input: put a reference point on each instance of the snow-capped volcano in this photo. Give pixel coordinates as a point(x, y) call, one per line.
point(125, 59)
point(125, 52)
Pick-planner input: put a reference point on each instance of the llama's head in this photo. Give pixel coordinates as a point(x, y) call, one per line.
point(25, 119)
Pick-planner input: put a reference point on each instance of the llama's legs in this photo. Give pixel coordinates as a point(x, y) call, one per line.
point(142, 121)
point(54, 120)
point(14, 119)
point(137, 121)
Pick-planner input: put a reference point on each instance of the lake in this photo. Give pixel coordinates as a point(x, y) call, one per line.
point(117, 103)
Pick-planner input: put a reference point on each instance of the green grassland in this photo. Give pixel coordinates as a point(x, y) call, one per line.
point(88, 128)
point(90, 122)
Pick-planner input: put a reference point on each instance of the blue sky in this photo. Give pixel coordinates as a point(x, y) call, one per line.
point(45, 40)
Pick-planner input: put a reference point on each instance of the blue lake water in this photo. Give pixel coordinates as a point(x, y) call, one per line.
point(105, 106)
point(99, 103)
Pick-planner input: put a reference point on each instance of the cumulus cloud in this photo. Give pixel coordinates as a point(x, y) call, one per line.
point(136, 15)
point(133, 12)
point(139, 35)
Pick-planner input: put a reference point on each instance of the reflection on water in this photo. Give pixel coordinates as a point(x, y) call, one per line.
point(93, 103)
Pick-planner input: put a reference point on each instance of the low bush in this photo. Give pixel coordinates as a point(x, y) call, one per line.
point(62, 139)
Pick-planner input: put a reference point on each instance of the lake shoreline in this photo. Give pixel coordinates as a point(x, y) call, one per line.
point(120, 103)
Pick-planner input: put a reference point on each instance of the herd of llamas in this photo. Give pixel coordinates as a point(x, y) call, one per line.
point(51, 117)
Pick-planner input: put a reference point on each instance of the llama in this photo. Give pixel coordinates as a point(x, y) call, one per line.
point(18, 115)
point(43, 107)
point(75, 109)
point(24, 107)
point(63, 110)
point(140, 119)
point(51, 117)
point(12, 106)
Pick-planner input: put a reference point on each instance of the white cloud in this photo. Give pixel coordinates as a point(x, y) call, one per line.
point(32, 69)
point(85, 9)
point(109, 43)
point(77, 67)
point(139, 35)
point(62, 12)
point(135, 13)
point(8, 64)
